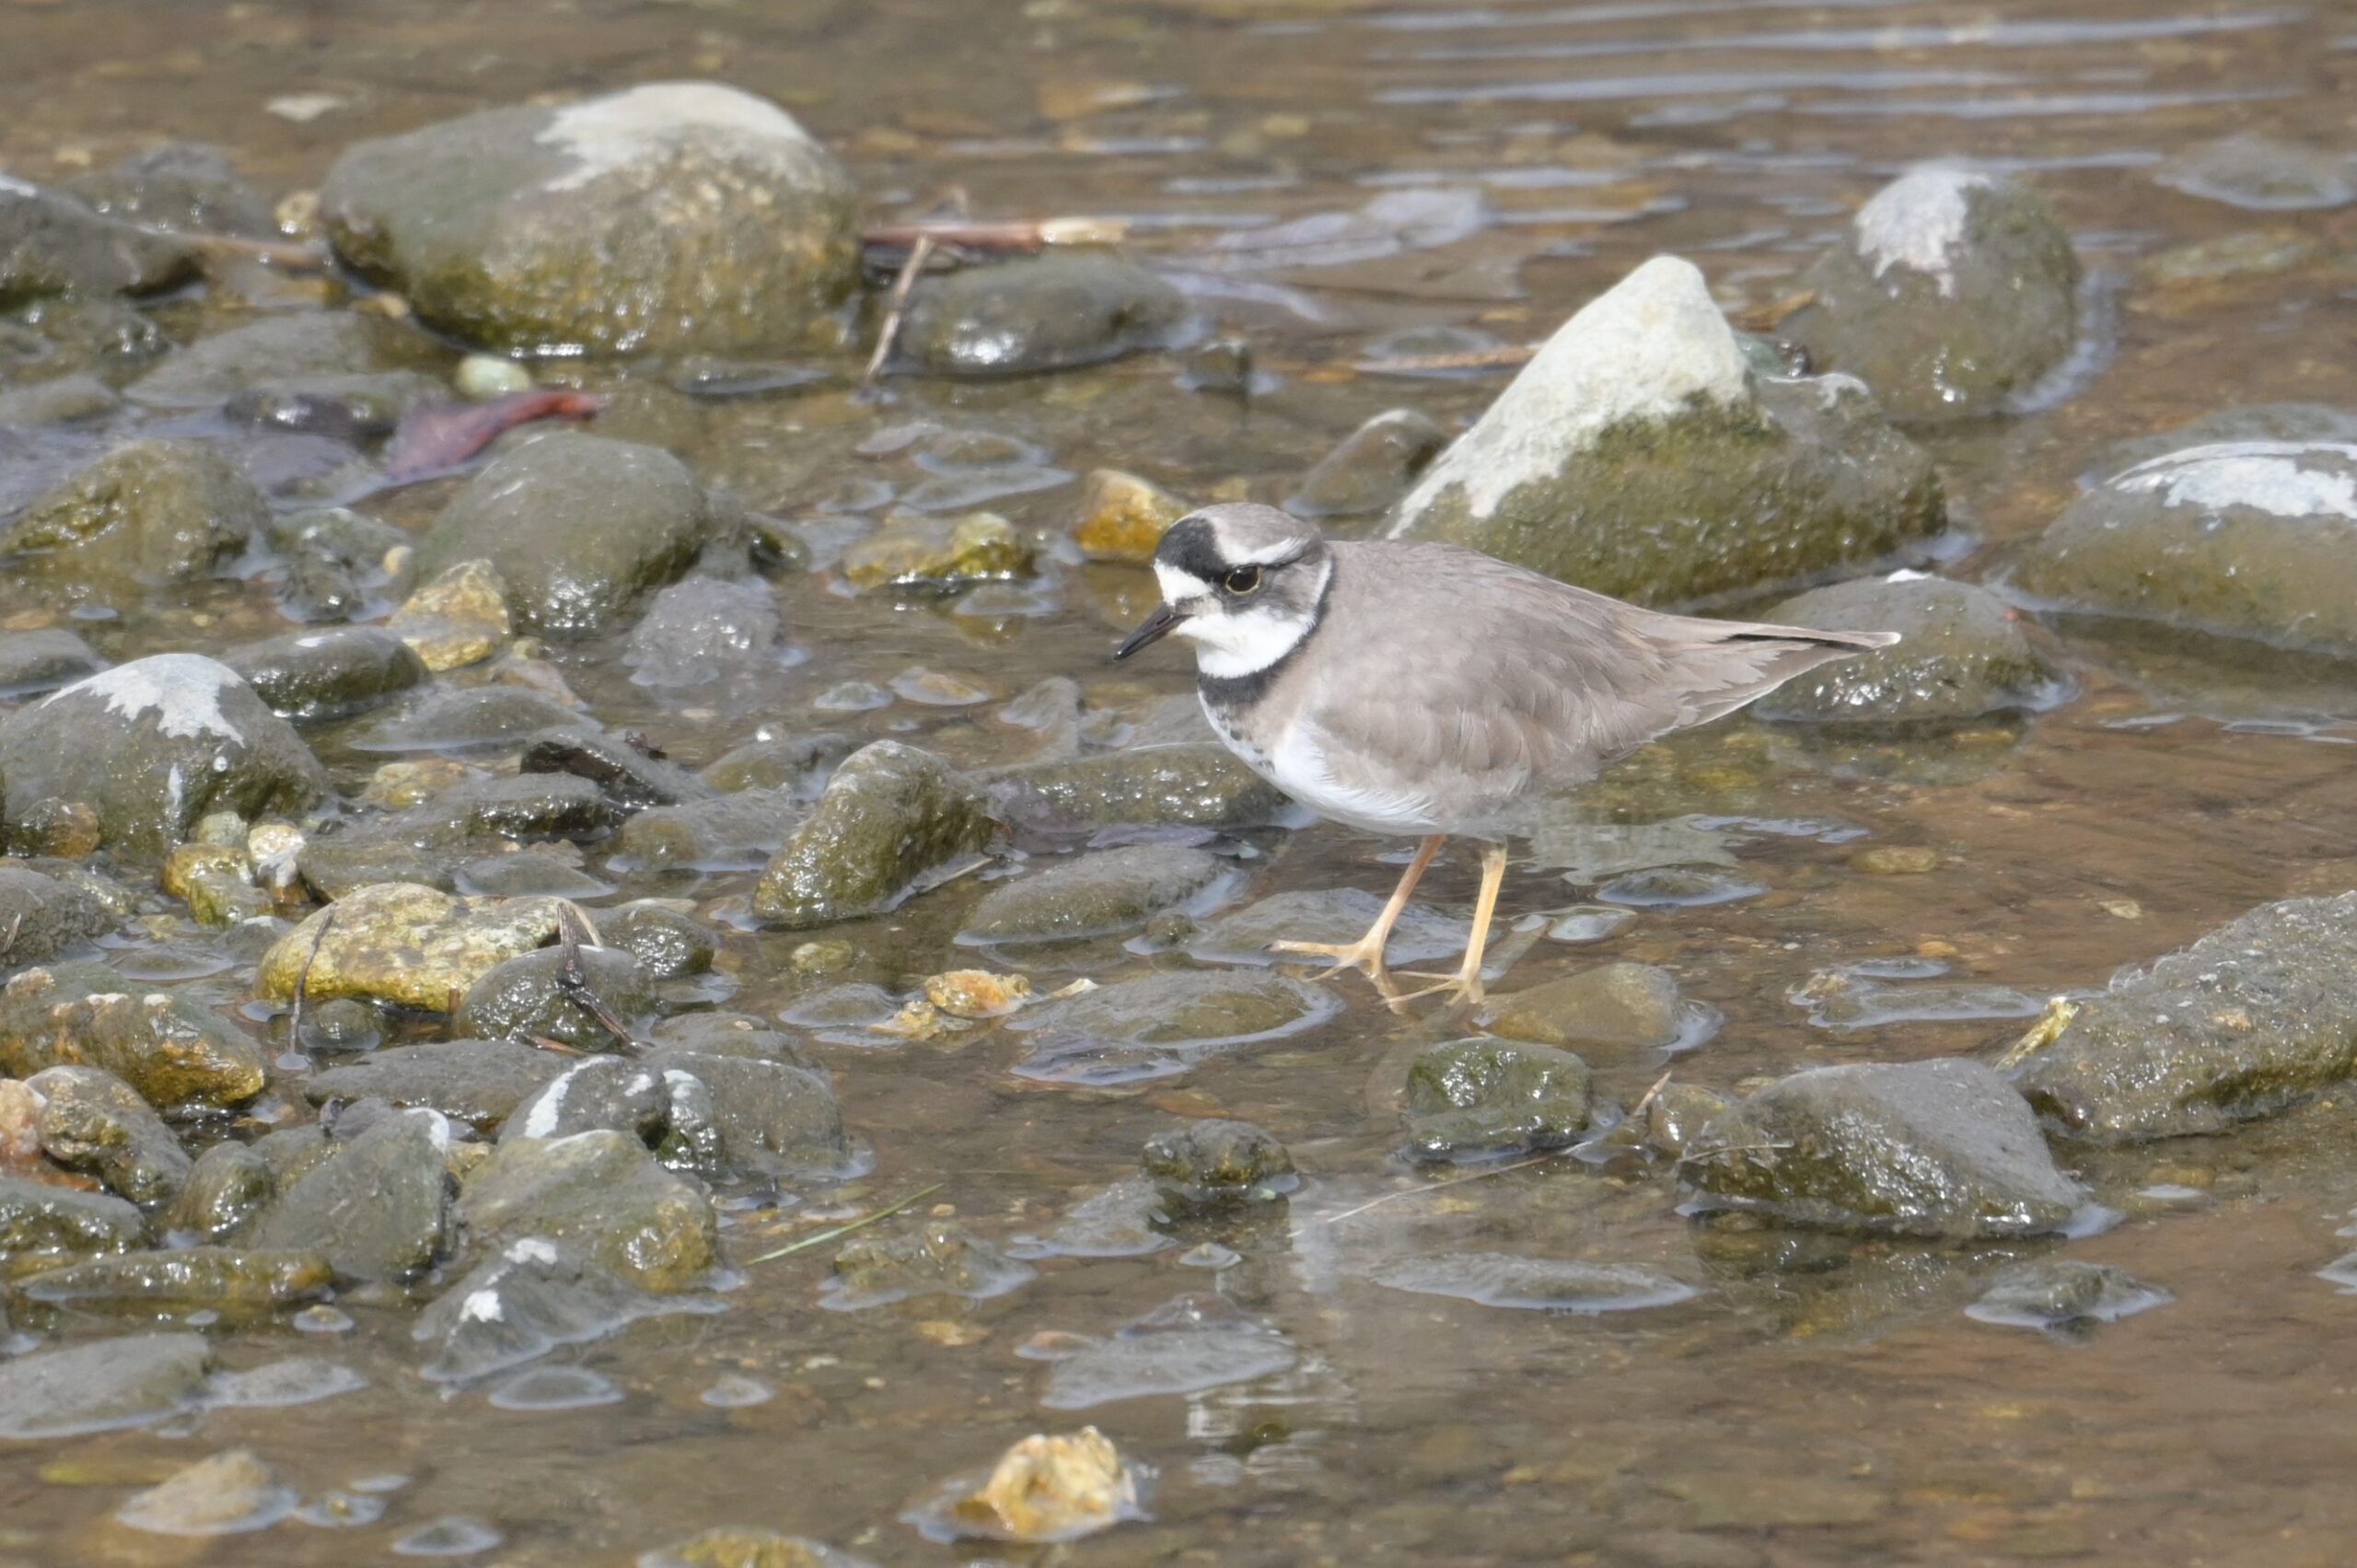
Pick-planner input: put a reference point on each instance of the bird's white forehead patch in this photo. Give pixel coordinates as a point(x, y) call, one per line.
point(1179, 584)
point(1238, 552)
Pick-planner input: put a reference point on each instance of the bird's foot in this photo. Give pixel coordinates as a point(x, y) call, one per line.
point(1365, 954)
point(1463, 987)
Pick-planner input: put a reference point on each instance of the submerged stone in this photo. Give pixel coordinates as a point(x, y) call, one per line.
point(1616, 457)
point(228, 1494)
point(1943, 1148)
point(38, 1219)
point(937, 552)
point(2060, 1293)
point(1503, 1279)
point(45, 917)
point(228, 1185)
point(1962, 652)
point(127, 1381)
point(527, 1300)
point(2260, 172)
point(1372, 468)
point(1186, 786)
point(1473, 1099)
point(1185, 1346)
point(1336, 917)
point(939, 1259)
point(1213, 1166)
point(1047, 312)
point(1627, 1007)
point(701, 630)
point(2247, 1022)
point(729, 832)
point(457, 617)
point(540, 996)
point(1099, 894)
point(1121, 516)
point(190, 1277)
point(34, 662)
point(1159, 1024)
point(890, 816)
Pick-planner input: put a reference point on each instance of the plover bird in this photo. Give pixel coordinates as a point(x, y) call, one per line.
point(1427, 688)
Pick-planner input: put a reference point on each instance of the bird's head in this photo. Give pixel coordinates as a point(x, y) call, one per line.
point(1243, 583)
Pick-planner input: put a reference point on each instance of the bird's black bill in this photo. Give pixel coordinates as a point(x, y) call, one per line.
point(1155, 627)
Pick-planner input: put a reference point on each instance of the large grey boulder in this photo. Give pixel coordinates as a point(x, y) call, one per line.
point(671, 217)
point(2247, 539)
point(2248, 1021)
point(1638, 456)
point(1953, 296)
point(151, 747)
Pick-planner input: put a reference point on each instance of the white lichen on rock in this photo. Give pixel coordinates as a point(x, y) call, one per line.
point(1917, 222)
point(183, 689)
point(2269, 476)
point(1651, 347)
point(603, 134)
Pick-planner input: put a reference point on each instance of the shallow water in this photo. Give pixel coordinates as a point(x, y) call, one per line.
point(1820, 1400)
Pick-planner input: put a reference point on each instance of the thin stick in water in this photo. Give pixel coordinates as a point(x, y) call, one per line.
point(887, 1212)
point(920, 253)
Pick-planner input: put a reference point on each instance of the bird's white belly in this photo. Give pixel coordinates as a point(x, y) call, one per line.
point(1295, 764)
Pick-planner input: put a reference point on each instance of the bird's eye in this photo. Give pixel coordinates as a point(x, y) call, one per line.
point(1241, 580)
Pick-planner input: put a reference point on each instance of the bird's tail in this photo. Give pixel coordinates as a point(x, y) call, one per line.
point(1728, 663)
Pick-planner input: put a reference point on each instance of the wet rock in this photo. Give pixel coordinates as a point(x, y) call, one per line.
point(1186, 1346)
point(480, 1082)
point(1546, 1285)
point(913, 552)
point(1614, 457)
point(62, 399)
point(701, 630)
point(604, 1195)
point(404, 944)
point(319, 675)
point(216, 882)
point(43, 917)
point(890, 816)
point(798, 763)
point(2240, 537)
point(188, 187)
point(228, 1185)
point(1943, 1148)
point(749, 1549)
point(457, 617)
point(228, 1494)
point(51, 244)
point(742, 1116)
point(2248, 1021)
point(1163, 1023)
point(1961, 654)
point(1121, 516)
point(1471, 1099)
point(1047, 1488)
point(671, 217)
point(152, 747)
point(279, 348)
point(127, 1381)
point(1338, 915)
point(38, 1219)
point(2061, 1293)
point(527, 1300)
point(1953, 295)
point(219, 1278)
point(2295, 424)
point(610, 1093)
point(2260, 172)
point(633, 777)
point(379, 1207)
point(534, 996)
point(478, 719)
point(147, 514)
point(1372, 468)
point(19, 1126)
point(35, 662)
point(1042, 313)
point(173, 1050)
point(734, 832)
point(939, 1259)
point(730, 1034)
point(1099, 894)
point(336, 560)
point(579, 527)
point(667, 944)
point(1188, 785)
point(1627, 1007)
point(1212, 1167)
point(352, 410)
point(1675, 1115)
point(93, 1122)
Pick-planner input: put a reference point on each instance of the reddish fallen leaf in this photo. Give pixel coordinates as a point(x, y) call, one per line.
point(435, 437)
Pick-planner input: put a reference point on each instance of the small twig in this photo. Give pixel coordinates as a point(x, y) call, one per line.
point(822, 1238)
point(903, 286)
point(292, 255)
point(1716, 1150)
point(1437, 1185)
point(573, 980)
point(544, 1043)
point(1501, 358)
point(303, 977)
point(1019, 235)
point(1639, 1109)
point(16, 925)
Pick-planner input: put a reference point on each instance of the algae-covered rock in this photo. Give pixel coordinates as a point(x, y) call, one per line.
point(38, 1219)
point(940, 1257)
point(2063, 1293)
point(798, 762)
point(476, 1080)
point(152, 747)
point(1637, 456)
point(93, 1122)
point(539, 996)
point(667, 944)
point(229, 1184)
point(175, 1052)
point(379, 1207)
point(890, 815)
point(732, 832)
point(1953, 295)
point(126, 1381)
point(401, 943)
point(1046, 312)
point(457, 617)
point(45, 917)
point(1214, 1165)
point(915, 552)
point(1184, 785)
point(1372, 468)
point(1961, 654)
point(1121, 516)
point(742, 1116)
point(1631, 1007)
point(2248, 1021)
point(2247, 539)
point(319, 675)
point(1097, 894)
point(1470, 1099)
point(149, 513)
point(1944, 1148)
point(52, 244)
point(601, 1193)
point(631, 774)
point(671, 217)
point(218, 1277)
point(578, 528)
